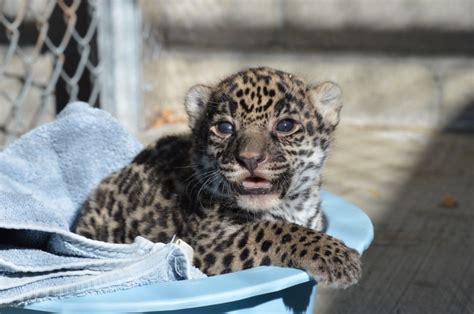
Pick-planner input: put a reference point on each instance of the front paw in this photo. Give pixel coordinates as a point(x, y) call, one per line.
point(332, 263)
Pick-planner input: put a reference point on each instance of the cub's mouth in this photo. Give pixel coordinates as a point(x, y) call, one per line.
point(256, 193)
point(255, 185)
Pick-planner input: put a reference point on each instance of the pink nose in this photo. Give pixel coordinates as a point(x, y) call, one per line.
point(251, 159)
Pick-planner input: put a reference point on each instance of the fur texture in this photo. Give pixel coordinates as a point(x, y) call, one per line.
point(243, 188)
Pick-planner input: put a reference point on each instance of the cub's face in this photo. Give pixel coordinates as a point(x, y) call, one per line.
point(261, 135)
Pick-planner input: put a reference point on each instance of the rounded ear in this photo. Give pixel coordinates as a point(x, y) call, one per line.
point(327, 98)
point(195, 102)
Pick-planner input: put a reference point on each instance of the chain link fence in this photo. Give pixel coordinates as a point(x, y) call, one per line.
point(48, 57)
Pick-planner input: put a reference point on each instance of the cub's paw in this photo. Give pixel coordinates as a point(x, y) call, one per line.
point(332, 263)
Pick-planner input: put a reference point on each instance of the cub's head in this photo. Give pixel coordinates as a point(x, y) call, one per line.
point(261, 136)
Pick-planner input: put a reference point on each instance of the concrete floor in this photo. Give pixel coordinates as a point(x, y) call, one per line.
point(408, 182)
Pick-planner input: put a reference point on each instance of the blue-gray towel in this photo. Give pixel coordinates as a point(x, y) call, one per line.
point(45, 176)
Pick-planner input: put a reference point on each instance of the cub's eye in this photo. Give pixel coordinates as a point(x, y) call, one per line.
point(285, 126)
point(225, 127)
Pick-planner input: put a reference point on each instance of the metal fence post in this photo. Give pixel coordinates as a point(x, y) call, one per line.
point(119, 41)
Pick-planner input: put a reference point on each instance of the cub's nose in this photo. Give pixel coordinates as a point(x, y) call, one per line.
point(251, 159)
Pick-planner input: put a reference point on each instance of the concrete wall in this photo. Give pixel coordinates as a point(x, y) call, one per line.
point(400, 25)
point(400, 63)
point(23, 103)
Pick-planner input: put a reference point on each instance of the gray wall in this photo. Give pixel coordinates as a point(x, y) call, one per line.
point(401, 63)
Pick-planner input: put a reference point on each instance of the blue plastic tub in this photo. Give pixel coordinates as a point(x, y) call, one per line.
point(259, 290)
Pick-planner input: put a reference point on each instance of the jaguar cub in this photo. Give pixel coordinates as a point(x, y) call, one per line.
point(242, 188)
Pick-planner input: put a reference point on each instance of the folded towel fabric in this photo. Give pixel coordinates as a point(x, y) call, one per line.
point(45, 176)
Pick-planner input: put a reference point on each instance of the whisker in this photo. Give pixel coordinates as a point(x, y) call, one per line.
point(198, 180)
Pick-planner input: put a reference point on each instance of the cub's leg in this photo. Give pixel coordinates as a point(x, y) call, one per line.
point(325, 258)
point(100, 218)
point(125, 206)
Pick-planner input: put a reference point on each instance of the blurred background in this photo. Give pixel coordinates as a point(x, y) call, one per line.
point(404, 151)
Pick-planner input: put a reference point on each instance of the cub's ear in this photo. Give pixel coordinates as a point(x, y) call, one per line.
point(195, 102)
point(327, 98)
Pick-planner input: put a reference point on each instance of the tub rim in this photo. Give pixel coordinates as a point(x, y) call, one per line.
point(344, 221)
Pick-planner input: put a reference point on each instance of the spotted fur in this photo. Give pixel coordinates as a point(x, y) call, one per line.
point(237, 188)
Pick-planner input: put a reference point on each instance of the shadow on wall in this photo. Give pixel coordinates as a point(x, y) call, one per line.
point(464, 120)
point(422, 258)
